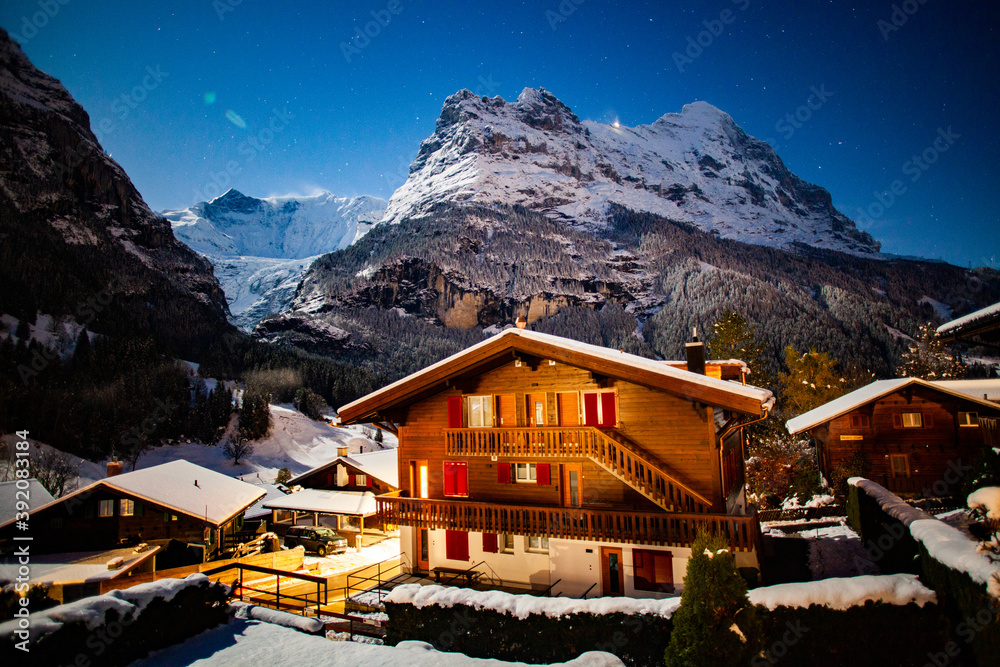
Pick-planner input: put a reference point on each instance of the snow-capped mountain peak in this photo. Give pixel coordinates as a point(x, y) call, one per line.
point(696, 166)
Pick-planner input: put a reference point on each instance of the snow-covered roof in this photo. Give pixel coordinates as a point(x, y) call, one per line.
point(982, 314)
point(867, 394)
point(258, 510)
point(382, 465)
point(75, 568)
point(988, 389)
point(761, 397)
point(183, 487)
point(350, 503)
point(38, 495)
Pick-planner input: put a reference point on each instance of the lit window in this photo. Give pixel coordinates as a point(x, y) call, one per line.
point(126, 507)
point(525, 472)
point(479, 410)
point(539, 544)
point(968, 419)
point(105, 508)
point(912, 420)
point(506, 543)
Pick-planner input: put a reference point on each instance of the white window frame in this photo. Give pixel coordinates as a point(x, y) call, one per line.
point(479, 411)
point(530, 473)
point(361, 480)
point(126, 507)
point(540, 546)
point(968, 419)
point(913, 420)
point(105, 508)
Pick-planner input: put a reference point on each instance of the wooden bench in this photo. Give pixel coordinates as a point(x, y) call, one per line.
point(468, 575)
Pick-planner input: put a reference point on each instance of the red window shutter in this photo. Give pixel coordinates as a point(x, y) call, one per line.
point(456, 545)
point(449, 479)
point(329, 479)
point(609, 415)
point(462, 479)
point(454, 412)
point(350, 479)
point(503, 473)
point(489, 543)
point(542, 474)
point(897, 421)
point(590, 409)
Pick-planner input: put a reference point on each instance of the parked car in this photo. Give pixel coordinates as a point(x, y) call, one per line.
point(321, 540)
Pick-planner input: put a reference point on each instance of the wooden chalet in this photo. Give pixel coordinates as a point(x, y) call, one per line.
point(173, 502)
point(913, 433)
point(547, 463)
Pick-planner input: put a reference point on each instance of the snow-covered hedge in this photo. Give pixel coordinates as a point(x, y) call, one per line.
point(862, 611)
point(117, 627)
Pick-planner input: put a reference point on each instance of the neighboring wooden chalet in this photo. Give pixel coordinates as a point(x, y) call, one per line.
point(911, 431)
point(982, 326)
point(549, 463)
point(342, 490)
point(175, 501)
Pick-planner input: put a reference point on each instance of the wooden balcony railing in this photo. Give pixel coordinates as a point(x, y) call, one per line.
point(659, 528)
point(611, 450)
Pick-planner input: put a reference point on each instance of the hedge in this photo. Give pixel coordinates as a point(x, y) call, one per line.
point(120, 641)
point(886, 539)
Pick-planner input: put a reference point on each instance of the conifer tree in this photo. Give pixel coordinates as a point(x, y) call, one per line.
point(930, 359)
point(811, 381)
point(734, 338)
point(716, 624)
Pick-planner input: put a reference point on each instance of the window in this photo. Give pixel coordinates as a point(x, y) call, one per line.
point(479, 411)
point(600, 408)
point(912, 420)
point(456, 479)
point(456, 544)
point(361, 480)
point(105, 508)
point(126, 507)
point(525, 472)
point(654, 570)
point(538, 544)
point(900, 465)
point(860, 421)
point(968, 419)
point(505, 543)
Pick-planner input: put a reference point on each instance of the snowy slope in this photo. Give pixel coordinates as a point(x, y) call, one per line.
point(695, 166)
point(261, 247)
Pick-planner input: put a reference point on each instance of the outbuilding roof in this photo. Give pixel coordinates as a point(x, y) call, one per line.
point(505, 346)
point(877, 390)
point(382, 465)
point(348, 503)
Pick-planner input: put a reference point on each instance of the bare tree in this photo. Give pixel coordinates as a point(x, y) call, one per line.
point(57, 471)
point(237, 448)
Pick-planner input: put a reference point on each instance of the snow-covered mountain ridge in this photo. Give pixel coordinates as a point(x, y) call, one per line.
point(261, 247)
point(696, 166)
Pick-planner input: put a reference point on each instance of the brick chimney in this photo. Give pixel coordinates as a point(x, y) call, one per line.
point(115, 467)
point(695, 354)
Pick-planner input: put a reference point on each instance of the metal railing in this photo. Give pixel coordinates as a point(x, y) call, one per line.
point(322, 591)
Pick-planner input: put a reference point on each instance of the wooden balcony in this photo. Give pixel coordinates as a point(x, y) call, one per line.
point(609, 449)
point(652, 528)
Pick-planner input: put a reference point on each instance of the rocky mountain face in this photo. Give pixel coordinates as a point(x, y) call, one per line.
point(261, 247)
point(696, 166)
point(76, 238)
point(626, 237)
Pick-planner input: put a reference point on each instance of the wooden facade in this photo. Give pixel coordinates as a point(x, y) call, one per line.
point(326, 477)
point(916, 439)
point(544, 440)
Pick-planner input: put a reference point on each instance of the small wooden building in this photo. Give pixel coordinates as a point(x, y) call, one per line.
point(914, 434)
point(173, 501)
point(377, 472)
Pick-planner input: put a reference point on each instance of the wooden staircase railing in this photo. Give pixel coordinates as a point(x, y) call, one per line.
point(610, 450)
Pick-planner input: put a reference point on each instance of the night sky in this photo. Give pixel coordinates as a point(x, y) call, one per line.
point(181, 92)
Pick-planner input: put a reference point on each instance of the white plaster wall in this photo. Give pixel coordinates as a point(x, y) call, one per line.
point(519, 567)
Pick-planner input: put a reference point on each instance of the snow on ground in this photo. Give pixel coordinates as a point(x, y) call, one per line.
point(844, 593)
point(247, 642)
point(353, 559)
point(837, 551)
point(942, 310)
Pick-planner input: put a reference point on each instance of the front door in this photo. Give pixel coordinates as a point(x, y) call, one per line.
point(422, 549)
point(572, 484)
point(612, 572)
point(536, 409)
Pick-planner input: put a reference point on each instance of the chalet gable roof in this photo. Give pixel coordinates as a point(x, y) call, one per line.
point(983, 322)
point(880, 389)
point(382, 464)
point(502, 348)
point(215, 499)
